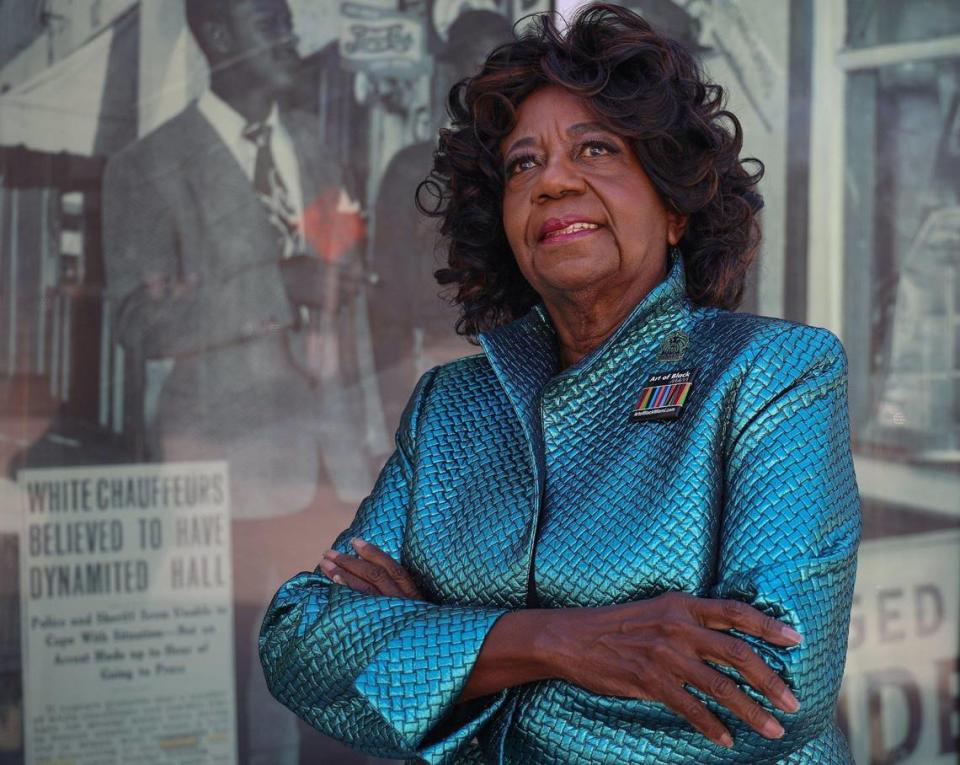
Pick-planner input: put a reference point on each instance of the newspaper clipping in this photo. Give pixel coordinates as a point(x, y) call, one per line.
point(127, 615)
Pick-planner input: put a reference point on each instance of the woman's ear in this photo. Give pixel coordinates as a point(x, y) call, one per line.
point(676, 225)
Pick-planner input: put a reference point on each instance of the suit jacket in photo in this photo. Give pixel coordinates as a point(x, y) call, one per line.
point(193, 279)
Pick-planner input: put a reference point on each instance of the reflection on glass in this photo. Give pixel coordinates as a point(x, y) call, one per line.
point(411, 328)
point(901, 328)
point(904, 204)
point(188, 280)
point(880, 22)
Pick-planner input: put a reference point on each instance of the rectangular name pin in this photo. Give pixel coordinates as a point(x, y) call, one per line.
point(663, 396)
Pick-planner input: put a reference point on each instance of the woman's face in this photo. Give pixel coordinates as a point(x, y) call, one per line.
point(581, 215)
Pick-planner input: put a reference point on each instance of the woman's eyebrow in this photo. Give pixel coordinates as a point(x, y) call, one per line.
point(574, 130)
point(525, 141)
point(585, 127)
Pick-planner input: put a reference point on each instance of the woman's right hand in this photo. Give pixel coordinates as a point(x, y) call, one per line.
point(651, 649)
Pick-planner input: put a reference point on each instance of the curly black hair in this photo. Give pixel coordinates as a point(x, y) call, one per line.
point(641, 85)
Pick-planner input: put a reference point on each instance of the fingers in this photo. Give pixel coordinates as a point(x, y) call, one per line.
point(397, 573)
point(694, 712)
point(346, 579)
point(726, 691)
point(733, 652)
point(370, 573)
point(732, 614)
point(374, 573)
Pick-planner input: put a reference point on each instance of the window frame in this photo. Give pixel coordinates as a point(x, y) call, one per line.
point(927, 488)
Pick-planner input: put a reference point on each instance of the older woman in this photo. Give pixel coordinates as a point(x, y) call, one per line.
point(601, 540)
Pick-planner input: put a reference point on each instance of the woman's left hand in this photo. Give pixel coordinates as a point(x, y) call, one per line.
point(373, 573)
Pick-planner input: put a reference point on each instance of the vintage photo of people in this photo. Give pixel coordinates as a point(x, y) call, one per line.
point(235, 269)
point(216, 251)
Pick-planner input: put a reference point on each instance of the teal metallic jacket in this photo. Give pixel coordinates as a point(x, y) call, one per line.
point(515, 486)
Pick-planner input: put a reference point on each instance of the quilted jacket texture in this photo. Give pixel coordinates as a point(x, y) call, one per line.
point(513, 485)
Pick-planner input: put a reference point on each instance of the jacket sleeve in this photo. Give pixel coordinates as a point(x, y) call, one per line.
point(159, 310)
point(791, 524)
point(381, 674)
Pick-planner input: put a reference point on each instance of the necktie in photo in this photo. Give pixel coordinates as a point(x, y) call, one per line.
point(272, 190)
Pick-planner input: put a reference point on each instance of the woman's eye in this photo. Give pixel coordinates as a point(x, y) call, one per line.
point(520, 163)
point(598, 149)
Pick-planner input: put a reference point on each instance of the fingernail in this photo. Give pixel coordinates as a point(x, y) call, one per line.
point(727, 740)
point(338, 579)
point(327, 566)
point(789, 701)
point(791, 634)
point(357, 542)
point(331, 554)
point(772, 729)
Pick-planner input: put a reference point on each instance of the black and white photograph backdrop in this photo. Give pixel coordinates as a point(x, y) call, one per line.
point(217, 294)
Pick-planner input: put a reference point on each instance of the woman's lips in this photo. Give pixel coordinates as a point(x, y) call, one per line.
point(573, 231)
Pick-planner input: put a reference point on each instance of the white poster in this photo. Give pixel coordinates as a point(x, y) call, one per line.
point(126, 603)
point(901, 691)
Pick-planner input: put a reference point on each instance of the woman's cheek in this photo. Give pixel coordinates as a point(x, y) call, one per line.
point(514, 232)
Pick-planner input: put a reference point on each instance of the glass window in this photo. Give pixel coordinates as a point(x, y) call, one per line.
point(213, 308)
point(900, 309)
point(903, 242)
point(880, 22)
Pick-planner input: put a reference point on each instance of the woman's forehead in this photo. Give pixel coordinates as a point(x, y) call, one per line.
point(552, 108)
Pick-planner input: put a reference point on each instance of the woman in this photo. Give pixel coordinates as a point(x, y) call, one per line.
point(551, 563)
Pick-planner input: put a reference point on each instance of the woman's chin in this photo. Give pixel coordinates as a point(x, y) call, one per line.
point(570, 280)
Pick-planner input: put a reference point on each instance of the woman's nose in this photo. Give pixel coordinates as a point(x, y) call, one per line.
point(558, 177)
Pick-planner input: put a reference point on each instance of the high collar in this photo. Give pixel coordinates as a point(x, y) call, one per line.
point(524, 353)
point(527, 349)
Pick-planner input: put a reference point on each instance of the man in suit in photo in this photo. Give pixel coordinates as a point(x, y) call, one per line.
point(230, 249)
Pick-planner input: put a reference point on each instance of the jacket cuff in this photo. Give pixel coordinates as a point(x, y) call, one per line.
point(414, 681)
